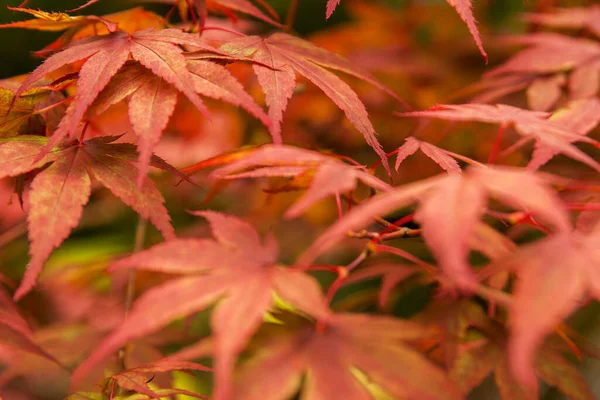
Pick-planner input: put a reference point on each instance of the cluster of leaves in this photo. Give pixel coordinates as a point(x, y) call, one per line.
point(502, 240)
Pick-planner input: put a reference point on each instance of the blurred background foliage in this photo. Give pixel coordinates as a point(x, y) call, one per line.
point(18, 43)
point(402, 41)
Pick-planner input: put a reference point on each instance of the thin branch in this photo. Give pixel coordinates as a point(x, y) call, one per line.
point(497, 143)
point(140, 234)
point(338, 203)
point(400, 233)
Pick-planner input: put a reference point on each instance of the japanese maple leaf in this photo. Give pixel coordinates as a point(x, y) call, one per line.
point(474, 347)
point(548, 52)
point(152, 101)
point(56, 21)
point(574, 17)
point(21, 116)
point(579, 116)
point(545, 92)
point(59, 192)
point(326, 361)
point(331, 6)
point(130, 21)
point(552, 367)
point(554, 53)
point(329, 176)
point(161, 393)
point(281, 56)
point(136, 379)
point(530, 124)
point(464, 9)
point(235, 267)
point(441, 157)
point(14, 330)
point(447, 225)
point(564, 262)
point(104, 56)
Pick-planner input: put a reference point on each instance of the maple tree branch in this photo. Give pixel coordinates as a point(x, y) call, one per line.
point(381, 221)
point(401, 233)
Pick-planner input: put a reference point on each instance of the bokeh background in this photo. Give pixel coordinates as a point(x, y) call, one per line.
point(420, 49)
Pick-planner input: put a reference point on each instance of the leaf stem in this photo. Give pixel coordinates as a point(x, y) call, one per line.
point(140, 234)
point(497, 143)
point(50, 107)
point(338, 203)
point(343, 274)
point(430, 269)
point(291, 16)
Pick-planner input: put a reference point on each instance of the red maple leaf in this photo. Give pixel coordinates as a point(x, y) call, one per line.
point(331, 6)
point(329, 175)
point(37, 111)
point(281, 56)
point(14, 330)
point(473, 347)
point(531, 124)
point(59, 192)
point(464, 9)
point(442, 157)
point(447, 225)
point(564, 262)
point(329, 358)
point(104, 56)
point(55, 21)
point(579, 116)
point(549, 53)
point(152, 101)
point(236, 267)
point(136, 379)
point(572, 18)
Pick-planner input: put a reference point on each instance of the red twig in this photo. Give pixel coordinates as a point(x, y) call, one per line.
point(497, 143)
